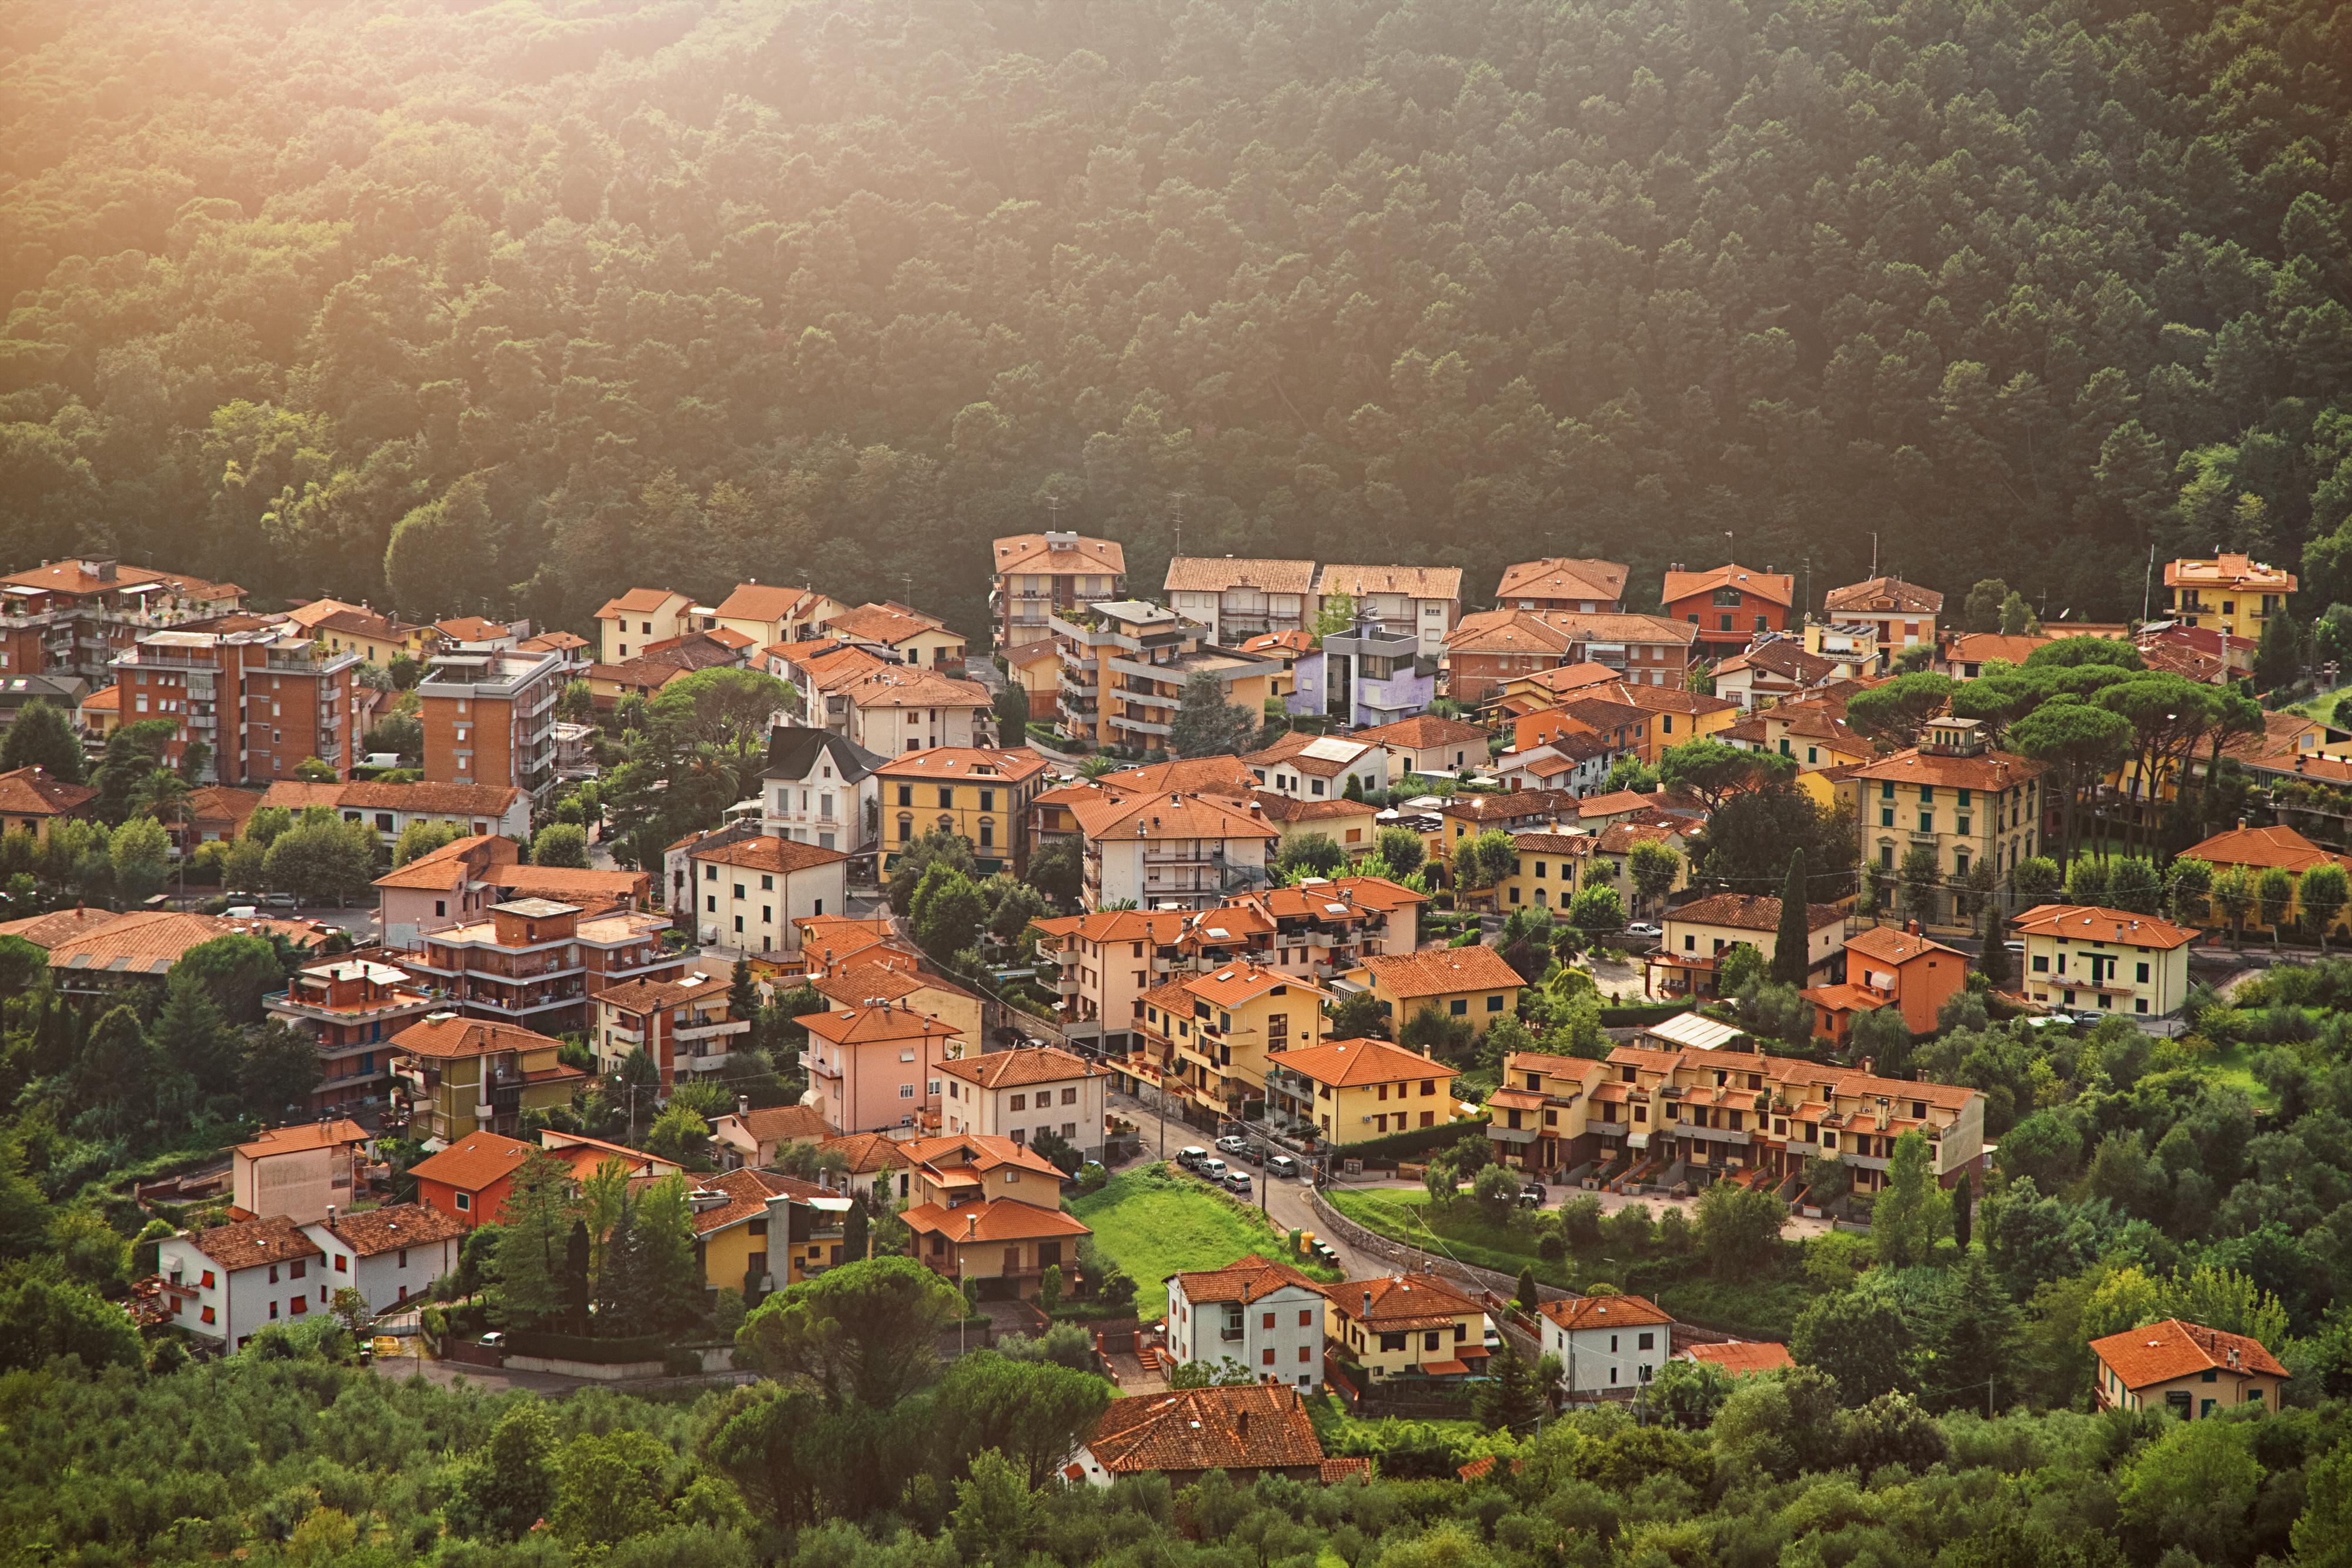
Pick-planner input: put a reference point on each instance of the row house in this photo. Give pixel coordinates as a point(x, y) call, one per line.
point(1563, 582)
point(1237, 600)
point(873, 1066)
point(1394, 604)
point(1350, 1091)
point(1671, 715)
point(1954, 797)
point(1033, 575)
point(1900, 615)
point(1025, 1093)
point(1730, 606)
point(1571, 762)
point(390, 1256)
point(1210, 1039)
point(1427, 745)
point(454, 1077)
point(818, 788)
point(227, 1283)
point(1698, 933)
point(1473, 984)
point(821, 671)
point(1620, 729)
point(1465, 816)
point(1124, 666)
point(896, 973)
point(1267, 1317)
point(981, 795)
point(985, 1213)
point(683, 1026)
point(2105, 960)
point(2235, 595)
point(538, 962)
point(1319, 766)
point(1489, 651)
point(351, 1009)
point(1413, 1326)
point(259, 695)
point(489, 717)
point(77, 617)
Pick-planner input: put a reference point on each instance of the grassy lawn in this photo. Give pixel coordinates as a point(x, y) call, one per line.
point(1763, 1304)
point(2323, 707)
point(1154, 1221)
point(2234, 1067)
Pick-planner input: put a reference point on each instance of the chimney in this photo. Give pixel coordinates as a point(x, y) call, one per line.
point(742, 1104)
point(330, 1217)
point(1367, 1303)
point(1863, 1066)
point(1241, 1424)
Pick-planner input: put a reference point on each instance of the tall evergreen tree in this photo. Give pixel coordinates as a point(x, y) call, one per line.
point(1790, 943)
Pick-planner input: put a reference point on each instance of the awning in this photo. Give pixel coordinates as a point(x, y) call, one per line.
point(1444, 1369)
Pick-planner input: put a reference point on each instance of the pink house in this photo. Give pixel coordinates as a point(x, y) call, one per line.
point(457, 883)
point(874, 1067)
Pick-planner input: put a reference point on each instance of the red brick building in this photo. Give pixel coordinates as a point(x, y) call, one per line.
point(1729, 605)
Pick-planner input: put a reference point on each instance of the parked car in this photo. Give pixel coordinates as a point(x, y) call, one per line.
point(1211, 1168)
point(1643, 928)
point(278, 900)
point(1237, 1183)
point(493, 1340)
point(1281, 1165)
point(1531, 1195)
point(1231, 1143)
point(1190, 1155)
point(1255, 1153)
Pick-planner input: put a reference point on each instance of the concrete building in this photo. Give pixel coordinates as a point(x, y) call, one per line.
point(682, 1025)
point(300, 1172)
point(1729, 605)
point(1263, 1316)
point(2232, 594)
point(1419, 604)
point(456, 1076)
point(260, 696)
point(1124, 666)
point(1563, 582)
point(540, 963)
point(1236, 599)
point(75, 617)
point(350, 1008)
point(387, 1255)
point(750, 890)
point(228, 1283)
point(875, 1068)
point(489, 717)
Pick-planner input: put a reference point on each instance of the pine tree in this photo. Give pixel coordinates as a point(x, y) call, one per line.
point(1790, 943)
point(1993, 962)
point(742, 991)
point(1975, 1338)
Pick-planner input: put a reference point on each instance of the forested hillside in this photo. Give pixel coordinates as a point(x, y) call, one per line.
point(555, 295)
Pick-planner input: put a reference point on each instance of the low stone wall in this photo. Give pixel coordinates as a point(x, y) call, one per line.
point(601, 1371)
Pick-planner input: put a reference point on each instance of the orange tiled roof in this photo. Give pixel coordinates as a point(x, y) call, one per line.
point(31, 792)
point(1774, 587)
point(1347, 1063)
point(1742, 1358)
point(1215, 574)
point(1245, 1279)
point(1038, 553)
point(1247, 1428)
point(1605, 1312)
point(1422, 732)
point(1019, 1067)
point(58, 925)
point(2261, 848)
point(374, 1232)
point(1562, 577)
point(446, 1036)
point(476, 1161)
point(1884, 594)
point(868, 1153)
point(2086, 922)
point(1893, 944)
point(639, 602)
point(784, 1123)
point(308, 1136)
point(1751, 911)
point(770, 854)
point(2162, 1352)
point(858, 1025)
point(1983, 647)
point(1442, 971)
point(249, 1244)
point(999, 1219)
point(148, 942)
point(1411, 581)
point(1391, 1298)
point(1991, 771)
point(966, 762)
point(748, 1192)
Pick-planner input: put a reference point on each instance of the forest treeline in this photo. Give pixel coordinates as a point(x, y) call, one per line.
point(837, 291)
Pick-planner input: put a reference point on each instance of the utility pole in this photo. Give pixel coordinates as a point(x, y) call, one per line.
point(1873, 552)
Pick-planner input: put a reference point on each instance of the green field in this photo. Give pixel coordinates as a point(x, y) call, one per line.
point(2234, 1067)
point(1155, 1221)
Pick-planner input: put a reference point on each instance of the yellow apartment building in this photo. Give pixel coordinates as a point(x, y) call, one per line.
point(983, 795)
point(1472, 983)
point(1209, 1039)
point(1353, 1090)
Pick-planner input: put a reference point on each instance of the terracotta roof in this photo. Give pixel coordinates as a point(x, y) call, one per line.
point(1019, 1067)
point(1105, 813)
point(1513, 806)
point(1562, 577)
point(747, 1192)
point(31, 792)
point(1440, 971)
point(1411, 581)
point(1228, 776)
point(1247, 1428)
point(1774, 587)
point(1555, 843)
point(1742, 1358)
point(1562, 679)
point(888, 624)
point(1883, 594)
point(249, 1244)
point(901, 686)
point(868, 1153)
point(1279, 642)
point(476, 1161)
point(73, 577)
point(1233, 984)
point(1160, 927)
point(643, 997)
point(470, 629)
point(1392, 1297)
point(639, 602)
point(1781, 656)
point(998, 1219)
point(1346, 1063)
point(782, 1123)
point(1667, 699)
point(1377, 893)
point(1751, 911)
point(2087, 923)
point(590, 887)
point(58, 925)
point(1605, 1312)
point(1508, 632)
point(861, 1024)
point(1983, 647)
point(1423, 732)
point(301, 1139)
point(2162, 1352)
point(105, 699)
point(1893, 944)
point(1992, 770)
point(487, 800)
point(1278, 807)
point(893, 977)
point(1345, 1467)
point(1619, 838)
point(1247, 1279)
point(1041, 553)
point(1214, 574)
point(148, 942)
point(966, 762)
point(2261, 848)
point(1316, 756)
point(770, 854)
point(759, 601)
point(220, 803)
point(374, 1232)
point(2224, 570)
point(445, 1036)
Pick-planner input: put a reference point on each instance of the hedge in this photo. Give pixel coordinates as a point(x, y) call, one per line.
point(1642, 1017)
point(555, 1346)
point(1412, 1141)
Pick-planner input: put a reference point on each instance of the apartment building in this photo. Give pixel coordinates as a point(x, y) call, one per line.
point(540, 963)
point(748, 889)
point(453, 1076)
point(1421, 604)
point(1900, 615)
point(981, 796)
point(300, 1171)
point(1953, 796)
point(459, 882)
point(390, 809)
point(2105, 960)
point(1606, 1344)
point(1351, 1090)
point(2235, 595)
point(818, 788)
point(388, 1255)
point(1491, 651)
point(896, 709)
point(1208, 1040)
point(1563, 582)
point(1035, 574)
point(1470, 983)
point(1125, 665)
point(644, 674)
point(1175, 849)
point(350, 1008)
point(259, 695)
point(77, 617)
point(1729, 605)
point(1236, 599)
point(1699, 932)
point(875, 1067)
point(1025, 1093)
point(682, 1025)
point(1104, 962)
point(1267, 1317)
point(489, 718)
point(627, 626)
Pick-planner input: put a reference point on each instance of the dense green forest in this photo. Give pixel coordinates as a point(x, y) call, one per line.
point(837, 291)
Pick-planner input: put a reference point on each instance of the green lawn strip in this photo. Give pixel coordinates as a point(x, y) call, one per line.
point(1154, 1225)
point(1401, 1214)
point(2235, 1067)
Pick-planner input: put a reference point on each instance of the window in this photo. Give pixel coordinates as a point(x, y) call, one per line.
point(1307, 1319)
point(1021, 1102)
point(1266, 1320)
point(464, 1202)
point(1392, 1342)
point(1926, 822)
point(1459, 1007)
point(1070, 1096)
point(1647, 1342)
point(1265, 1358)
point(1495, 1003)
point(343, 1264)
point(906, 1092)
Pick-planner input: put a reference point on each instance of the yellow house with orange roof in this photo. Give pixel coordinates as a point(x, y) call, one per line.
point(1210, 1039)
point(1352, 1090)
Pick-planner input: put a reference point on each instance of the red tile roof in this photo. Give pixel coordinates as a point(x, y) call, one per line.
point(1193, 1429)
point(770, 854)
point(1742, 1358)
point(1423, 732)
point(1442, 971)
point(2084, 922)
point(1247, 1279)
point(1774, 587)
point(1000, 1220)
point(1749, 912)
point(446, 1035)
point(250, 1243)
point(1562, 577)
point(2162, 1352)
point(374, 1232)
point(1605, 1312)
point(1020, 1067)
point(31, 792)
point(1393, 1300)
point(1346, 1063)
point(476, 1161)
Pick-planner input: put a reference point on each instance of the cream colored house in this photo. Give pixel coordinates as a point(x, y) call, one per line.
point(1025, 1093)
point(2105, 960)
point(1698, 933)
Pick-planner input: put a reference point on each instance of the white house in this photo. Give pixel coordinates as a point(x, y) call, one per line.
point(1318, 766)
point(1021, 1094)
point(1606, 1344)
point(230, 1282)
point(1266, 1316)
point(819, 788)
point(747, 892)
point(388, 1255)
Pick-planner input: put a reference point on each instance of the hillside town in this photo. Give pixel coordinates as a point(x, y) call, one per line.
point(1303, 1001)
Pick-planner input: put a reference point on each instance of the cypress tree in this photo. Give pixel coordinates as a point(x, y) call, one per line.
point(1789, 944)
point(1993, 963)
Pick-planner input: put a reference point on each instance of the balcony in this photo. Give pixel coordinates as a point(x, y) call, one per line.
point(714, 1029)
point(1606, 1129)
point(1140, 726)
point(405, 1005)
point(1712, 1135)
